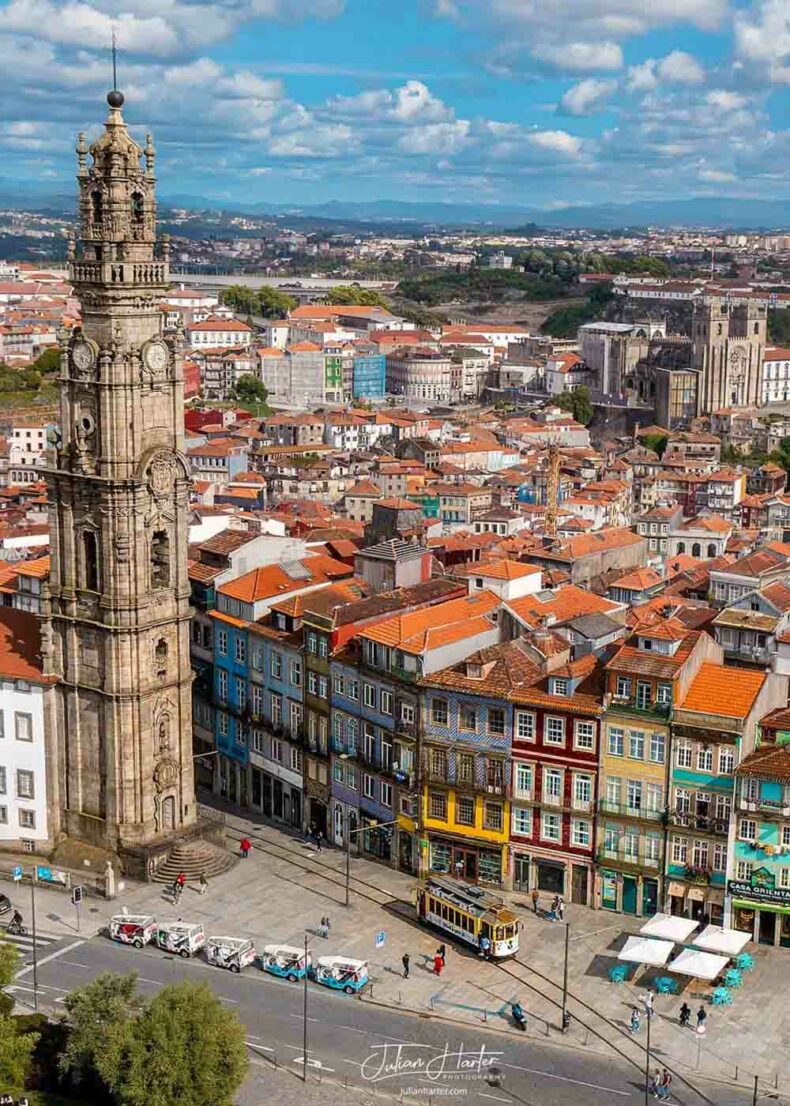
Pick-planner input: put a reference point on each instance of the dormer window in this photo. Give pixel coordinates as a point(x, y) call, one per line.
point(560, 687)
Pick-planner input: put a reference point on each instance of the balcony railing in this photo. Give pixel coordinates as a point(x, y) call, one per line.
point(625, 704)
point(638, 859)
point(770, 806)
point(706, 823)
point(627, 810)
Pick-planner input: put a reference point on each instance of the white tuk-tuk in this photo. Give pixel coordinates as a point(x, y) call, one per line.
point(180, 937)
point(341, 973)
point(233, 953)
point(285, 961)
point(133, 929)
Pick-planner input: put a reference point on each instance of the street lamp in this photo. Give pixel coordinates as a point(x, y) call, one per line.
point(373, 824)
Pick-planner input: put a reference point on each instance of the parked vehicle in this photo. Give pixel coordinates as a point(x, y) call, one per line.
point(471, 914)
point(341, 973)
point(180, 937)
point(133, 929)
point(233, 953)
point(5, 904)
point(285, 961)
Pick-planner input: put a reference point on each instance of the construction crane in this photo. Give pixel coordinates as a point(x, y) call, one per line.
point(552, 489)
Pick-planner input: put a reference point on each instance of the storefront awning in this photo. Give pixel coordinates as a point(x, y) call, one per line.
point(697, 894)
point(744, 905)
point(678, 889)
point(715, 897)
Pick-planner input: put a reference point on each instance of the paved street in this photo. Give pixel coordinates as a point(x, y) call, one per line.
point(367, 1046)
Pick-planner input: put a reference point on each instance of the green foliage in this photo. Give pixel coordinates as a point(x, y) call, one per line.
point(565, 321)
point(275, 304)
point(656, 442)
point(9, 959)
point(99, 1019)
point(614, 264)
point(19, 380)
point(352, 294)
point(416, 314)
point(250, 389)
point(267, 301)
point(779, 326)
point(186, 1049)
point(16, 1050)
point(578, 403)
point(483, 285)
point(48, 361)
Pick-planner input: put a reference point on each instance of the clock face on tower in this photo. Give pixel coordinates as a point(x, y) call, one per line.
point(83, 356)
point(155, 358)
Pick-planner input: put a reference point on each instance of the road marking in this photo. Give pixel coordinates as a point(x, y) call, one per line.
point(155, 982)
point(260, 1048)
point(353, 1029)
point(496, 1098)
point(311, 1063)
point(567, 1079)
point(53, 956)
point(301, 1019)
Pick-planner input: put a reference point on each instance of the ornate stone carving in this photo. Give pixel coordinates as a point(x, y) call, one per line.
point(162, 474)
point(166, 774)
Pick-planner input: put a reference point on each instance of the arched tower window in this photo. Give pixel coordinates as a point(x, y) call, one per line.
point(97, 206)
point(696, 549)
point(90, 560)
point(711, 549)
point(160, 654)
point(681, 547)
point(160, 559)
point(138, 208)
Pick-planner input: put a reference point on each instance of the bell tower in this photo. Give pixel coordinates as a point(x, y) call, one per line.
point(116, 630)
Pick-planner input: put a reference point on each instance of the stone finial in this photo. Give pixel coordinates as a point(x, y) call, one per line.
point(165, 247)
point(150, 154)
point(82, 153)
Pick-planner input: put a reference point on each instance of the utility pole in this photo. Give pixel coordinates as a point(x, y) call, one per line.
point(348, 856)
point(647, 1058)
point(35, 953)
point(754, 1098)
point(565, 1018)
point(304, 1016)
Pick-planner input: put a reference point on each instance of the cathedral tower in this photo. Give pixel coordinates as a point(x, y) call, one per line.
point(116, 632)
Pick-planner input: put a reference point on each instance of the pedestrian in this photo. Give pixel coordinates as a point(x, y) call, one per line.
point(318, 844)
point(323, 928)
point(311, 834)
point(485, 947)
point(634, 1020)
point(685, 1015)
point(647, 1000)
point(438, 964)
point(203, 884)
point(459, 869)
point(328, 926)
point(405, 960)
point(442, 951)
point(246, 845)
point(702, 1017)
point(555, 905)
point(655, 1083)
point(665, 1087)
point(560, 907)
point(535, 900)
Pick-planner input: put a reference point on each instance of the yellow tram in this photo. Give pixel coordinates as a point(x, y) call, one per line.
point(468, 913)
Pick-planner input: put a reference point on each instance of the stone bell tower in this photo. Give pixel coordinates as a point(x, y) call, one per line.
point(116, 629)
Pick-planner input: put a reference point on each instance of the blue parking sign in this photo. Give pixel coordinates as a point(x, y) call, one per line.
point(380, 939)
point(17, 873)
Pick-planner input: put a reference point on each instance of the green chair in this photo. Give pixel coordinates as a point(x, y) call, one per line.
point(744, 962)
point(618, 973)
point(733, 978)
point(665, 985)
point(721, 997)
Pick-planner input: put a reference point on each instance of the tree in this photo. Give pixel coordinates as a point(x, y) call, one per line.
point(578, 403)
point(354, 294)
point(16, 1047)
point(186, 1049)
point(779, 326)
point(48, 361)
point(275, 304)
point(657, 442)
point(241, 299)
point(99, 1020)
point(250, 389)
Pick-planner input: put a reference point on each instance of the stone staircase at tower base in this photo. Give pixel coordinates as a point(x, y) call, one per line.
point(194, 858)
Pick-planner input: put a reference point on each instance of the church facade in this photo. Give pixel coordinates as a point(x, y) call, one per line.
point(115, 633)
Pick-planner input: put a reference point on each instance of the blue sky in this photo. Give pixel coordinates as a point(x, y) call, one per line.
point(539, 102)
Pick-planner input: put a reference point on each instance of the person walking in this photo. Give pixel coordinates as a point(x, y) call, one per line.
point(655, 1083)
point(648, 1000)
point(246, 845)
point(685, 1015)
point(535, 900)
point(323, 928)
point(665, 1086)
point(442, 951)
point(485, 947)
point(328, 926)
point(318, 844)
point(438, 964)
point(702, 1017)
point(560, 907)
point(406, 961)
point(634, 1020)
point(202, 884)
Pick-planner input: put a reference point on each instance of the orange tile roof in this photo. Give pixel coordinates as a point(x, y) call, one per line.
point(39, 567)
point(271, 580)
point(722, 690)
point(566, 603)
point(504, 570)
point(20, 646)
point(416, 631)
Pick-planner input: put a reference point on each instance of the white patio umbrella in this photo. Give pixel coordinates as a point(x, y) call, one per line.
point(669, 927)
point(699, 965)
point(643, 950)
point(727, 941)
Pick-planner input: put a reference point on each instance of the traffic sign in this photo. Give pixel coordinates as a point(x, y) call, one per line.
point(76, 895)
point(380, 936)
point(17, 873)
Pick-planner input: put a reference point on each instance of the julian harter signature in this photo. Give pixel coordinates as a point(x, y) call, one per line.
point(389, 1061)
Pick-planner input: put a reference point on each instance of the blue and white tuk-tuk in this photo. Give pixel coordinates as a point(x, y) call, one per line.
point(285, 961)
point(341, 973)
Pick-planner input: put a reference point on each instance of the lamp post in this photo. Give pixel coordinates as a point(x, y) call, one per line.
point(647, 1057)
point(373, 824)
point(35, 951)
point(565, 1017)
point(304, 1015)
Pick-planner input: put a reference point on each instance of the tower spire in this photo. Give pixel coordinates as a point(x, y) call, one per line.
point(114, 60)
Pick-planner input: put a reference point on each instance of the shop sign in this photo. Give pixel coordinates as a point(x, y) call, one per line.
point(760, 888)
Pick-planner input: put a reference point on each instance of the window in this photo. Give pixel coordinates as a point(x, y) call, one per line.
point(785, 835)
point(496, 720)
point(465, 810)
point(724, 807)
point(468, 718)
point(222, 642)
point(439, 711)
point(295, 670)
point(492, 816)
point(658, 745)
point(386, 794)
point(525, 725)
point(277, 710)
point(351, 778)
point(554, 733)
point(369, 695)
point(616, 738)
point(560, 687)
point(552, 784)
point(654, 797)
point(352, 690)
point(611, 840)
point(623, 687)
point(636, 745)
point(584, 735)
point(386, 702)
point(726, 760)
point(580, 832)
point(368, 786)
point(385, 755)
point(295, 717)
point(160, 559)
point(465, 768)
point(312, 682)
point(679, 850)
point(276, 666)
point(276, 750)
point(312, 643)
point(683, 756)
point(27, 819)
point(582, 789)
point(323, 647)
point(635, 795)
point(90, 560)
point(643, 694)
point(25, 788)
point(437, 806)
point(550, 827)
point(747, 829)
point(664, 694)
point(257, 741)
point(241, 693)
point(522, 820)
point(323, 687)
point(222, 723)
point(631, 844)
point(3, 815)
point(652, 848)
point(523, 781)
point(743, 871)
point(784, 872)
point(705, 759)
point(407, 713)
point(719, 857)
point(23, 726)
point(222, 684)
point(699, 854)
point(337, 771)
point(438, 762)
point(241, 652)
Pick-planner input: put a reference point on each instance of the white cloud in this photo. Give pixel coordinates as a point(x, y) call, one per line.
point(642, 78)
point(436, 138)
point(316, 141)
point(581, 57)
point(680, 68)
point(716, 176)
point(412, 102)
point(723, 100)
point(587, 96)
point(558, 141)
point(762, 38)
